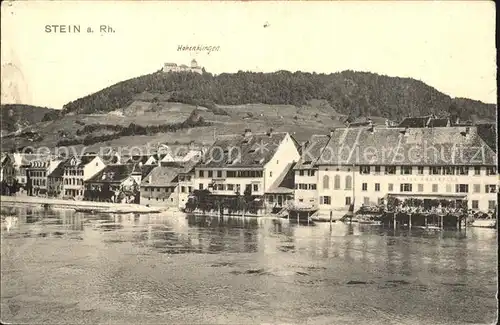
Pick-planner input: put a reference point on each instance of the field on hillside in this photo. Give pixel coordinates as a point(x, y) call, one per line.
point(302, 122)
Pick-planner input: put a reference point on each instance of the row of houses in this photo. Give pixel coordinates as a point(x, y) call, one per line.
point(349, 167)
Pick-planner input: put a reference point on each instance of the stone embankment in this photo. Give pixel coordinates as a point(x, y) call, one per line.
point(84, 206)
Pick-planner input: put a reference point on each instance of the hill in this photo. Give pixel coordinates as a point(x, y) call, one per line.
point(348, 92)
point(17, 116)
point(158, 108)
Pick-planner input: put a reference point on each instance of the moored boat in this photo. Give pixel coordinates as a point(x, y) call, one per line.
point(484, 223)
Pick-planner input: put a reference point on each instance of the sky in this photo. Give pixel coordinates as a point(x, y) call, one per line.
point(448, 45)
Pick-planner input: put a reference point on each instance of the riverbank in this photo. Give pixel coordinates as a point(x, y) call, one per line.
point(81, 206)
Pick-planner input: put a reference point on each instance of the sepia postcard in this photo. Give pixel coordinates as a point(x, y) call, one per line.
point(249, 162)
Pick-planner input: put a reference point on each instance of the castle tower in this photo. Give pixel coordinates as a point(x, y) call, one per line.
point(194, 64)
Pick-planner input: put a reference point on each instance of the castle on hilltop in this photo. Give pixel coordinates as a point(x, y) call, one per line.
point(173, 67)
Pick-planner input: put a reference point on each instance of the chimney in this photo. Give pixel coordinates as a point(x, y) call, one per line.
point(270, 132)
point(331, 133)
point(247, 133)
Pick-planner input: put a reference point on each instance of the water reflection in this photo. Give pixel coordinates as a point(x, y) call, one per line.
point(181, 233)
point(275, 260)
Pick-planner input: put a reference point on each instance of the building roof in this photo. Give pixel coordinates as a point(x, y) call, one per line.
point(25, 159)
point(113, 174)
point(58, 171)
point(161, 176)
point(488, 132)
point(254, 150)
point(414, 122)
point(138, 159)
point(144, 170)
point(81, 161)
point(439, 146)
point(284, 183)
point(438, 122)
point(312, 151)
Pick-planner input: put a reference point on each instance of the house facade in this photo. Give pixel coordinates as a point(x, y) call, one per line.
point(55, 181)
point(115, 183)
point(8, 171)
point(248, 163)
point(366, 165)
point(76, 171)
point(159, 187)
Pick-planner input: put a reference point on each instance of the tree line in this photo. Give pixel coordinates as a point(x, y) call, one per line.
point(348, 92)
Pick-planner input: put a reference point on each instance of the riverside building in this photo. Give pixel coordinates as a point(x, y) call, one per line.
point(363, 166)
point(252, 163)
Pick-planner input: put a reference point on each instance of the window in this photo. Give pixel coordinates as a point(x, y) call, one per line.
point(406, 187)
point(434, 188)
point(475, 204)
point(476, 188)
point(312, 172)
point(348, 182)
point(277, 162)
point(220, 187)
point(390, 170)
point(219, 173)
point(325, 200)
point(336, 182)
point(406, 170)
point(312, 186)
point(364, 186)
point(461, 188)
point(463, 170)
point(490, 188)
point(255, 187)
point(477, 170)
point(364, 169)
point(366, 200)
point(201, 173)
point(270, 174)
point(326, 182)
point(447, 170)
point(301, 173)
point(420, 170)
point(347, 200)
point(390, 187)
point(230, 187)
point(377, 187)
point(190, 189)
point(377, 169)
point(420, 187)
point(491, 170)
point(183, 189)
point(210, 174)
point(435, 170)
point(200, 186)
point(492, 204)
point(230, 173)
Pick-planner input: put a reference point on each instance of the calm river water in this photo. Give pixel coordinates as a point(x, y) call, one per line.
point(61, 267)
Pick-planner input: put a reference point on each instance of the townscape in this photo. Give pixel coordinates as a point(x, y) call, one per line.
point(286, 162)
point(426, 165)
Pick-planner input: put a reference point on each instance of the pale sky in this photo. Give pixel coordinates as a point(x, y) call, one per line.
point(448, 45)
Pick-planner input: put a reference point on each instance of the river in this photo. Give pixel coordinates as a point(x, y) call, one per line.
point(62, 267)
